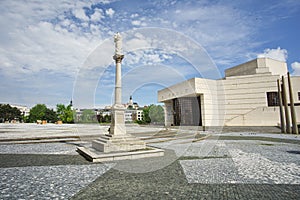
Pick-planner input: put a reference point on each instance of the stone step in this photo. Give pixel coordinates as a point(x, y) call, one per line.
point(123, 146)
point(118, 139)
point(111, 143)
point(131, 141)
point(96, 156)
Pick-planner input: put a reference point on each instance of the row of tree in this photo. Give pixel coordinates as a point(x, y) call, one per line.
point(41, 112)
point(151, 114)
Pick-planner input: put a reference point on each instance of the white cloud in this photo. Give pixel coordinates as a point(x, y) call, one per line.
point(30, 43)
point(110, 12)
point(80, 14)
point(98, 15)
point(145, 57)
point(45, 46)
point(276, 54)
point(222, 30)
point(66, 22)
point(134, 15)
point(296, 68)
point(95, 29)
point(136, 22)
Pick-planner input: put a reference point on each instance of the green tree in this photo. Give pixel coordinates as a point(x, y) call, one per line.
point(51, 115)
point(88, 116)
point(107, 118)
point(152, 114)
point(60, 108)
point(8, 113)
point(41, 112)
point(146, 117)
point(38, 112)
point(65, 114)
point(156, 114)
point(103, 118)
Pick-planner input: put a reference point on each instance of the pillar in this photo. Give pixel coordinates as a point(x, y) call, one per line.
point(293, 112)
point(282, 122)
point(286, 108)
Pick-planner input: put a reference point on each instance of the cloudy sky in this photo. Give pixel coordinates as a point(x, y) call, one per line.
point(52, 51)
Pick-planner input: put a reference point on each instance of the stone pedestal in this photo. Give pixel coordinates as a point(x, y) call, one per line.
point(117, 139)
point(117, 126)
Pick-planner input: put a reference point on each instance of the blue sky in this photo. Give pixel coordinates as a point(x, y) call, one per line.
point(52, 51)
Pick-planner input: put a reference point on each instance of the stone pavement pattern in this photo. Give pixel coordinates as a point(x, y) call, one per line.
point(228, 166)
point(170, 183)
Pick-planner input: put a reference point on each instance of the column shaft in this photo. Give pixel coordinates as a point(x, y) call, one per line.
point(282, 122)
point(118, 86)
point(293, 112)
point(286, 108)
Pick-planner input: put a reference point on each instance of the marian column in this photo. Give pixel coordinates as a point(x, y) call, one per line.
point(118, 124)
point(117, 145)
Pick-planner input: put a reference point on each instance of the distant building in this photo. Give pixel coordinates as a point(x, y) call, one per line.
point(247, 96)
point(104, 112)
point(129, 115)
point(139, 114)
point(23, 109)
point(132, 113)
point(131, 104)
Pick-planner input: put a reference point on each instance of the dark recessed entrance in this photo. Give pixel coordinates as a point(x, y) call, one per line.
point(187, 111)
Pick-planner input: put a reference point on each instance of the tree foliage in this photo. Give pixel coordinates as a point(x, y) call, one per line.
point(38, 112)
point(146, 117)
point(8, 113)
point(88, 116)
point(51, 115)
point(104, 119)
point(65, 114)
point(41, 112)
point(156, 114)
point(153, 114)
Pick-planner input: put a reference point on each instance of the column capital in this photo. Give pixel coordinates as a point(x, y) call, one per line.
point(118, 58)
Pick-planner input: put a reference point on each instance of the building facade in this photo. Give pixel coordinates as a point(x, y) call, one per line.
point(247, 96)
point(132, 112)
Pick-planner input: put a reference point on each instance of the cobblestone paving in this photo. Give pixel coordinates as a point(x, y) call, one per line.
point(170, 183)
point(220, 168)
point(42, 148)
point(228, 163)
point(275, 151)
point(47, 182)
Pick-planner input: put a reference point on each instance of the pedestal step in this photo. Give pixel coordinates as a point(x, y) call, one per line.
point(112, 143)
point(96, 156)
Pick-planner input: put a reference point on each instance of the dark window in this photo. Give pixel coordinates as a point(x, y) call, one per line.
point(187, 111)
point(298, 96)
point(272, 98)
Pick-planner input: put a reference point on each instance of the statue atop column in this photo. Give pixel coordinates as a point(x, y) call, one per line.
point(118, 44)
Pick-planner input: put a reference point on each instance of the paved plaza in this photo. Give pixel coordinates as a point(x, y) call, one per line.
point(41, 162)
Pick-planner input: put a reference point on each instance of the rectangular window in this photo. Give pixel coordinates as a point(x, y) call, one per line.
point(298, 96)
point(187, 111)
point(273, 99)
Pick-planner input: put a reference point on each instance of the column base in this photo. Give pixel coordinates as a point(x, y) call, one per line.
point(117, 126)
point(116, 143)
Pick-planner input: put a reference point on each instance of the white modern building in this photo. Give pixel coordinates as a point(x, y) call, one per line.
point(247, 96)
